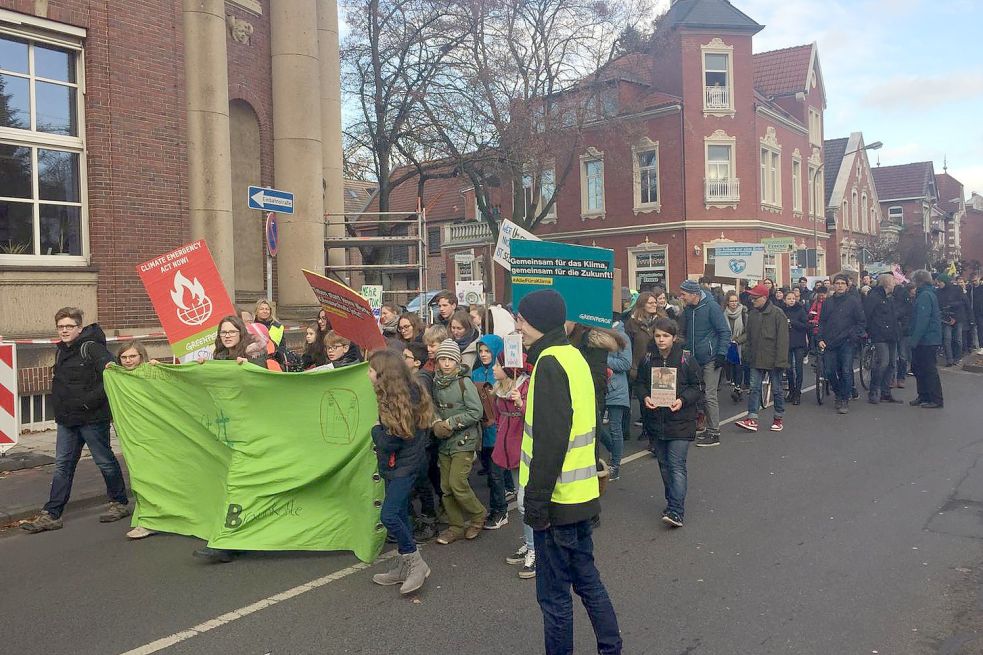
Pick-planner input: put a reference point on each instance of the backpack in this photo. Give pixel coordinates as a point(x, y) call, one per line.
point(487, 402)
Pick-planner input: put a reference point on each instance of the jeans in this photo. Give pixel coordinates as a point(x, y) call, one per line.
point(672, 464)
point(923, 365)
point(711, 380)
point(68, 450)
point(754, 397)
point(460, 503)
point(882, 368)
point(395, 512)
point(565, 558)
point(795, 370)
point(951, 342)
point(613, 434)
point(423, 489)
point(839, 369)
point(520, 500)
point(970, 340)
point(904, 358)
point(496, 488)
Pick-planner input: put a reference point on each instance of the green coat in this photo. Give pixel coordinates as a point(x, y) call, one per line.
point(462, 410)
point(767, 338)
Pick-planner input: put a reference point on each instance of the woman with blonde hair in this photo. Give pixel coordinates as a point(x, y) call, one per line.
point(265, 313)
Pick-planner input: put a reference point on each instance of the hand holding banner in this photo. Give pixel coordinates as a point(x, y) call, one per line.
point(349, 313)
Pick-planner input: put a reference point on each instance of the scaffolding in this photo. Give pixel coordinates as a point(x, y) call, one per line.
point(416, 236)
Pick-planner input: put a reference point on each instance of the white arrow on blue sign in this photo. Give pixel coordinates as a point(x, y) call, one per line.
point(271, 200)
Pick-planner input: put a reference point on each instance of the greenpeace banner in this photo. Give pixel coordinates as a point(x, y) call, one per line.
point(250, 459)
point(189, 297)
point(350, 314)
point(583, 275)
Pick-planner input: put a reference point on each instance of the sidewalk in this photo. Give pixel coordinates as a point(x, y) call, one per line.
point(25, 477)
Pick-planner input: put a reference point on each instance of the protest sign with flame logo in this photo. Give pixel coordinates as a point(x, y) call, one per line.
point(188, 296)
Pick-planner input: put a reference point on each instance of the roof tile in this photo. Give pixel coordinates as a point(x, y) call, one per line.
point(782, 72)
point(904, 181)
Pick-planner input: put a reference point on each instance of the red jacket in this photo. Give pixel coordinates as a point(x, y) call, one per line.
point(509, 420)
point(814, 312)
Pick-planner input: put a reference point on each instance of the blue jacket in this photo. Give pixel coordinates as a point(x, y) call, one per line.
point(486, 374)
point(620, 363)
point(926, 323)
point(707, 332)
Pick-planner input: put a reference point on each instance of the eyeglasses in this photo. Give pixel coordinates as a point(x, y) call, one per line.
point(69, 326)
point(405, 326)
point(337, 346)
point(228, 333)
point(409, 357)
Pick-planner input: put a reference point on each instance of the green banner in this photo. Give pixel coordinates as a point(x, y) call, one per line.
point(251, 459)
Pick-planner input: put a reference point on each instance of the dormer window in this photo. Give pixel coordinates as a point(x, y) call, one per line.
point(718, 88)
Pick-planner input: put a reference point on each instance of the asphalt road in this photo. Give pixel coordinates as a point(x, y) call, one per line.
point(842, 534)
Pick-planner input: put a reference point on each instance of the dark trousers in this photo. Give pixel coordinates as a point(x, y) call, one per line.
point(496, 488)
point(565, 558)
point(839, 369)
point(882, 368)
point(68, 450)
point(427, 484)
point(395, 512)
point(794, 371)
point(923, 365)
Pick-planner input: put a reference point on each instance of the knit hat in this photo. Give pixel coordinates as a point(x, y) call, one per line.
point(758, 291)
point(690, 286)
point(448, 348)
point(545, 310)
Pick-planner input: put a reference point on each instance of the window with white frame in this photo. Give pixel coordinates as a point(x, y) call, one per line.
point(865, 209)
point(796, 185)
point(845, 214)
point(37, 412)
point(854, 207)
point(771, 184)
point(721, 184)
point(547, 187)
point(592, 183)
point(42, 157)
point(812, 190)
point(815, 127)
point(646, 175)
point(896, 215)
point(718, 88)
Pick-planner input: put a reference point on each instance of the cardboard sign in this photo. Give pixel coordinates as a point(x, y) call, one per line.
point(349, 313)
point(740, 261)
point(583, 275)
point(508, 231)
point(373, 293)
point(513, 351)
point(189, 297)
point(470, 292)
point(663, 386)
point(779, 245)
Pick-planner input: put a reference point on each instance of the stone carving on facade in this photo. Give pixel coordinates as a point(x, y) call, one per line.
point(241, 30)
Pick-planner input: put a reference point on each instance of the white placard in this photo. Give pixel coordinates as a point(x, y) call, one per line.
point(513, 351)
point(503, 249)
point(663, 386)
point(373, 293)
point(740, 261)
point(470, 292)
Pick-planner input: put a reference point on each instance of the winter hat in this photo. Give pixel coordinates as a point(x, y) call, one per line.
point(690, 286)
point(448, 348)
point(758, 291)
point(545, 310)
point(512, 372)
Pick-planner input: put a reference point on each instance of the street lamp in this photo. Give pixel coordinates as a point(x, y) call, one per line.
point(876, 145)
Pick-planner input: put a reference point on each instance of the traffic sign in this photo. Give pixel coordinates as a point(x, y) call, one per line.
point(272, 234)
point(271, 200)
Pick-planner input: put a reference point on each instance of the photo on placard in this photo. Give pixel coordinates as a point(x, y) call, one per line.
point(663, 386)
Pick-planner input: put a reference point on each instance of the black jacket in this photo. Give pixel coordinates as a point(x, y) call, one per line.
point(798, 324)
point(882, 317)
point(662, 423)
point(842, 319)
point(399, 457)
point(552, 420)
point(76, 388)
point(977, 301)
point(953, 302)
point(904, 308)
point(597, 361)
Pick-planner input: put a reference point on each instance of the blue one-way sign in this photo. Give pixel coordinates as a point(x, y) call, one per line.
point(271, 200)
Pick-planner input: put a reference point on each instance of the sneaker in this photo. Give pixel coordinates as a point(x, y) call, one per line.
point(672, 519)
point(528, 569)
point(749, 424)
point(874, 400)
point(890, 399)
point(519, 556)
point(42, 523)
point(472, 531)
point(705, 440)
point(916, 402)
point(605, 420)
point(214, 555)
point(776, 425)
point(854, 395)
point(930, 405)
point(495, 520)
point(448, 536)
point(511, 496)
point(837, 404)
point(614, 473)
point(114, 512)
point(424, 532)
point(844, 407)
point(701, 422)
point(637, 424)
point(139, 532)
point(900, 384)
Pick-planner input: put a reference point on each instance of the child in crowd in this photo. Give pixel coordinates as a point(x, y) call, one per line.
point(427, 487)
point(340, 351)
point(314, 348)
point(432, 338)
point(483, 376)
point(459, 412)
point(672, 428)
point(405, 413)
point(511, 388)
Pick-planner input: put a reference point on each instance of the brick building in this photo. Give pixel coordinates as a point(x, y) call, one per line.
point(129, 128)
point(910, 206)
point(853, 213)
point(971, 233)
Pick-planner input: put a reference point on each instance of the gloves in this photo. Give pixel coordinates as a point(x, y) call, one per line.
point(719, 360)
point(442, 429)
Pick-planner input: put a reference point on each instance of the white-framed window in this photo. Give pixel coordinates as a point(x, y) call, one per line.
point(845, 214)
point(37, 412)
point(645, 164)
point(721, 183)
point(43, 217)
point(815, 127)
point(592, 183)
point(718, 76)
point(812, 190)
point(771, 181)
point(896, 215)
point(796, 184)
point(854, 208)
point(865, 212)
point(547, 187)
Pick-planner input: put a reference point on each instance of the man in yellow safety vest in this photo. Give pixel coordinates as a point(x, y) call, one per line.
point(557, 469)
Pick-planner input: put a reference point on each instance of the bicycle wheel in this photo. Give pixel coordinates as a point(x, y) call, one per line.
point(820, 382)
point(866, 360)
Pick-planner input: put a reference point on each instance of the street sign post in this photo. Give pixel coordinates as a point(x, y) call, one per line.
point(271, 200)
point(272, 232)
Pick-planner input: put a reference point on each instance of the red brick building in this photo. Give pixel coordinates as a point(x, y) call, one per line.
point(853, 212)
point(910, 206)
point(971, 233)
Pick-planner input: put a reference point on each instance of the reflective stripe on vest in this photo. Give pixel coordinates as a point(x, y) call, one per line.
point(577, 482)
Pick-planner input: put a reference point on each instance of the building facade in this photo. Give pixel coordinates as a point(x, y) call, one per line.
point(853, 212)
point(909, 202)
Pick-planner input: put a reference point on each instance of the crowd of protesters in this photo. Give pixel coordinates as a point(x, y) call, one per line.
point(448, 401)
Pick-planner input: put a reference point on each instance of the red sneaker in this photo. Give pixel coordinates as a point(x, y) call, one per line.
point(776, 425)
point(749, 424)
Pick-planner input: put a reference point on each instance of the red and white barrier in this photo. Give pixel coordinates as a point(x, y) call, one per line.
point(8, 397)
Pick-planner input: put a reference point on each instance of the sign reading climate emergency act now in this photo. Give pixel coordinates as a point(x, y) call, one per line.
point(583, 275)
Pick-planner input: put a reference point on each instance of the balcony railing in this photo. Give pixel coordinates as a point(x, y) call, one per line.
point(717, 97)
point(459, 234)
point(723, 190)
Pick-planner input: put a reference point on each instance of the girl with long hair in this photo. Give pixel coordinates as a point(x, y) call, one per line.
point(315, 352)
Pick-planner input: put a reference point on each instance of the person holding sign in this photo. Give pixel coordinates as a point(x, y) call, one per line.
point(669, 382)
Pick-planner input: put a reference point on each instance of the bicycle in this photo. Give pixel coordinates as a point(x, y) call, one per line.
point(866, 362)
point(819, 366)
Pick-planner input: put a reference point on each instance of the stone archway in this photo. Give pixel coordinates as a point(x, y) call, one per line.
point(247, 223)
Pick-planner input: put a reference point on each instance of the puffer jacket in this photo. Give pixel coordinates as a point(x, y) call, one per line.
point(400, 457)
point(904, 308)
point(926, 322)
point(842, 319)
point(797, 325)
point(767, 338)
point(620, 362)
point(456, 400)
point(509, 421)
point(662, 423)
point(706, 332)
point(76, 388)
point(882, 317)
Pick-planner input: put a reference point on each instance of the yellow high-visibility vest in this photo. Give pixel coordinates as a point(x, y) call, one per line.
point(577, 482)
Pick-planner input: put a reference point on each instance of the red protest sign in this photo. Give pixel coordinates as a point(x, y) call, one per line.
point(188, 295)
point(349, 313)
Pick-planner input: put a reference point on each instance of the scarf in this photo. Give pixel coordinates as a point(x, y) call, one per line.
point(467, 339)
point(736, 319)
point(443, 381)
point(390, 328)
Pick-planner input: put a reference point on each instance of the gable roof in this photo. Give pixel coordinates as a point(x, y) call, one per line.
point(783, 72)
point(949, 188)
point(358, 194)
point(833, 151)
point(904, 181)
point(709, 14)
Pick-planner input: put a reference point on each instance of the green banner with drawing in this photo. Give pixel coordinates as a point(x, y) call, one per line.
point(251, 459)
